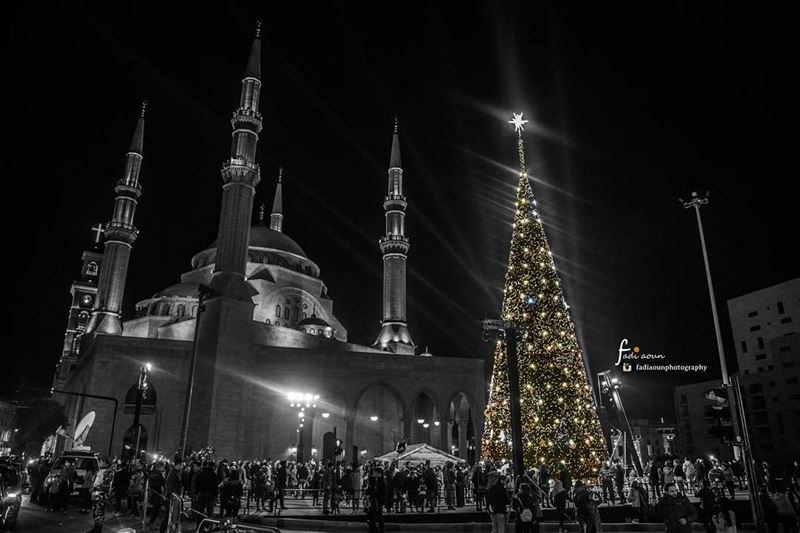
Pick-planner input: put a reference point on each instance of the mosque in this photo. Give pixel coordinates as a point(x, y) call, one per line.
point(245, 353)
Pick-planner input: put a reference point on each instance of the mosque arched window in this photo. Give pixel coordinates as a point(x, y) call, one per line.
point(305, 315)
point(181, 310)
point(278, 311)
point(165, 309)
point(83, 319)
point(320, 331)
point(268, 323)
point(91, 269)
point(312, 331)
point(149, 398)
point(194, 310)
point(295, 314)
point(286, 313)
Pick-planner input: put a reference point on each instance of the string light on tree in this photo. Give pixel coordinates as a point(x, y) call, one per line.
point(558, 420)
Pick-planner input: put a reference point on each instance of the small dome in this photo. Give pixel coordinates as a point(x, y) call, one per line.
point(313, 320)
point(183, 290)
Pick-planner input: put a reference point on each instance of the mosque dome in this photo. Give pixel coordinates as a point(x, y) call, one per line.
point(313, 320)
point(182, 290)
point(266, 246)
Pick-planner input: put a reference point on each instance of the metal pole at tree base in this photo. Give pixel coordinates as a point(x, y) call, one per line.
point(747, 456)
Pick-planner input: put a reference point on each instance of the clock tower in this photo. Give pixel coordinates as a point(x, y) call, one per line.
point(83, 293)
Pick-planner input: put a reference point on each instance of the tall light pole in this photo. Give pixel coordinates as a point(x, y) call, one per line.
point(303, 401)
point(696, 202)
point(202, 293)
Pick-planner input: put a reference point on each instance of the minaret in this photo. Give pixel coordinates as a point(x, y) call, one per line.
point(276, 218)
point(119, 236)
point(240, 175)
point(394, 336)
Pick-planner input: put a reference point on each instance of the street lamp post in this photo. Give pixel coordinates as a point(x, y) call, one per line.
point(696, 202)
point(140, 391)
point(202, 293)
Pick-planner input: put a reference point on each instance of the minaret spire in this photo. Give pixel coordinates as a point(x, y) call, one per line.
point(394, 335)
point(240, 175)
point(276, 218)
point(119, 236)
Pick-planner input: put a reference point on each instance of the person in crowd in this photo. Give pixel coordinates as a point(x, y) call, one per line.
point(528, 509)
point(230, 495)
point(281, 481)
point(206, 487)
point(357, 482)
point(728, 479)
point(689, 474)
point(586, 513)
point(431, 486)
point(543, 482)
point(787, 516)
point(460, 486)
point(679, 476)
point(497, 505)
point(566, 478)
point(676, 510)
point(769, 511)
point(449, 478)
point(655, 480)
point(135, 489)
point(639, 502)
point(724, 519)
point(172, 485)
point(399, 490)
point(302, 479)
point(326, 483)
point(606, 475)
point(707, 500)
point(155, 484)
point(87, 488)
point(619, 481)
point(479, 481)
point(558, 498)
point(374, 501)
point(121, 484)
point(66, 483)
point(101, 490)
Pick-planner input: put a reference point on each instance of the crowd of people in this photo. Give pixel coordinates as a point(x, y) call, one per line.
point(221, 488)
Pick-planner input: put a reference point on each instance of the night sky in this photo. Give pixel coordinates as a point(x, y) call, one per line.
point(631, 107)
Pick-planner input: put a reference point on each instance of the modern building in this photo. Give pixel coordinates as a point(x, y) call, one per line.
point(765, 326)
point(252, 327)
point(656, 438)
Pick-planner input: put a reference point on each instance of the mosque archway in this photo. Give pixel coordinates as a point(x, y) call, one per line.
point(460, 427)
point(378, 421)
point(425, 420)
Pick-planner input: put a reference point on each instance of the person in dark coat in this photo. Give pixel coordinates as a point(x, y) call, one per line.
point(566, 478)
point(526, 505)
point(619, 481)
point(375, 501)
point(676, 510)
point(230, 495)
point(497, 505)
point(206, 486)
point(431, 486)
point(544, 481)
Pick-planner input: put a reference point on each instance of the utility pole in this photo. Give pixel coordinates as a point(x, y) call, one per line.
point(510, 331)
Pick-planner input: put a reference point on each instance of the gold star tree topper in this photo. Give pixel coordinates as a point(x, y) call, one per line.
point(518, 122)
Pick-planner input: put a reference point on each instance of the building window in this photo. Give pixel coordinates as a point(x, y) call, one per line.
point(788, 364)
point(91, 269)
point(194, 310)
point(744, 346)
point(312, 331)
point(286, 313)
point(83, 319)
point(268, 323)
point(752, 314)
point(786, 320)
point(785, 349)
point(770, 367)
point(165, 310)
point(305, 315)
point(755, 328)
point(278, 311)
point(761, 356)
point(181, 310)
point(780, 308)
point(295, 314)
point(761, 343)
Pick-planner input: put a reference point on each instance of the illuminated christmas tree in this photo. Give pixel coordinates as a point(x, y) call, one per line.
point(559, 422)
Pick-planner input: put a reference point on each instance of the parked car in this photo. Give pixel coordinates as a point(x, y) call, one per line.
point(10, 497)
point(83, 462)
point(16, 464)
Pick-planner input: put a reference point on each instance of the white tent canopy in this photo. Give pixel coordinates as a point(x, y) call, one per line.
point(419, 454)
